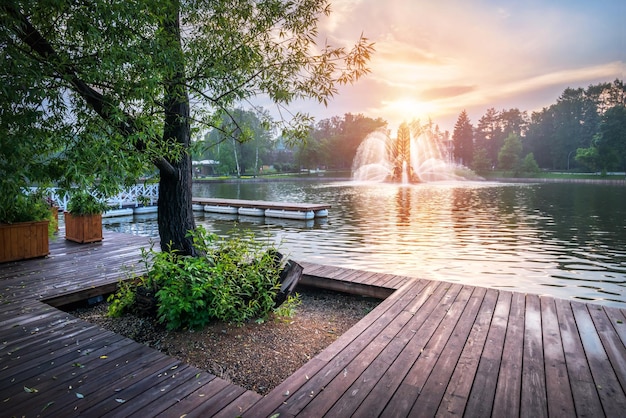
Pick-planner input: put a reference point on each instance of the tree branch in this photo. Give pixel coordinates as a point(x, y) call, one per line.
point(97, 101)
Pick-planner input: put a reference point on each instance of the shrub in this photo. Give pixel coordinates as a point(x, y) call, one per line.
point(234, 280)
point(84, 203)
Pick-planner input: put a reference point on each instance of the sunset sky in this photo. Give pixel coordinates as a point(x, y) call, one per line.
point(436, 58)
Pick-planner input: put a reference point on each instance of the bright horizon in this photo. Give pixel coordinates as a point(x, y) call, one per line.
point(435, 59)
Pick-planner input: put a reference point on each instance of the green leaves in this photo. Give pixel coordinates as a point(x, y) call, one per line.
point(235, 280)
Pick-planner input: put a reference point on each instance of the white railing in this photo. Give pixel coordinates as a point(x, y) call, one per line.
point(139, 194)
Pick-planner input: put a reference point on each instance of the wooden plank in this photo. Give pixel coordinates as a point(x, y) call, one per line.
point(404, 397)
point(362, 276)
point(195, 398)
point(380, 382)
point(349, 275)
point(559, 392)
point(614, 347)
point(195, 380)
point(584, 392)
point(52, 383)
point(483, 390)
point(53, 378)
point(534, 401)
point(380, 279)
point(338, 355)
point(432, 304)
point(31, 362)
point(353, 369)
point(508, 389)
point(609, 389)
point(115, 396)
point(310, 268)
point(460, 384)
point(618, 320)
point(294, 392)
point(430, 396)
point(137, 396)
point(213, 405)
point(238, 406)
point(98, 392)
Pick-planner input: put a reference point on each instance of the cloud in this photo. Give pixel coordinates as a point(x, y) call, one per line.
point(446, 92)
point(435, 59)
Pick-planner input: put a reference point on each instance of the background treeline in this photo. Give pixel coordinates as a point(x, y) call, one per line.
point(585, 130)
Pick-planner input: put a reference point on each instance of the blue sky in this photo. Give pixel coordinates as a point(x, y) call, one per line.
point(434, 59)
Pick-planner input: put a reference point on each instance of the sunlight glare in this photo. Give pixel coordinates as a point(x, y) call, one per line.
point(408, 109)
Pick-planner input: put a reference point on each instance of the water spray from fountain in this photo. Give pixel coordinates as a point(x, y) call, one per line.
point(416, 155)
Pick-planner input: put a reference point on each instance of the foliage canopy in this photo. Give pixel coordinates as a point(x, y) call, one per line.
point(96, 92)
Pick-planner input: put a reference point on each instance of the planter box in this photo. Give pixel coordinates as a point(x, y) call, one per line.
point(23, 240)
point(82, 229)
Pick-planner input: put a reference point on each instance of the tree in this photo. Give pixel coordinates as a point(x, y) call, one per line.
point(107, 86)
point(529, 164)
point(488, 134)
point(481, 163)
point(463, 139)
point(513, 121)
point(539, 135)
point(509, 155)
point(611, 141)
point(241, 141)
point(588, 157)
point(334, 142)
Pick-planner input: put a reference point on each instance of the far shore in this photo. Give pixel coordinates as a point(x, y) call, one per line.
point(263, 179)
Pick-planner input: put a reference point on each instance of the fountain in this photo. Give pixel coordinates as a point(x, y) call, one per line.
point(407, 159)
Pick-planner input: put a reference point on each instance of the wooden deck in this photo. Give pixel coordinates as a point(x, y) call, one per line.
point(431, 348)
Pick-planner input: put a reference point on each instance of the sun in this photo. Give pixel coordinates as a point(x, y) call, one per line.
point(406, 109)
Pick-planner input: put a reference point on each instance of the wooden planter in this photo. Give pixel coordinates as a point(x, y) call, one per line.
point(23, 240)
point(84, 228)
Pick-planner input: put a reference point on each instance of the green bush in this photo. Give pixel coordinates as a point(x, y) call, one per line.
point(84, 203)
point(234, 280)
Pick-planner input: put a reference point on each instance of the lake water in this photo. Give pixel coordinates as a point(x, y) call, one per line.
point(565, 240)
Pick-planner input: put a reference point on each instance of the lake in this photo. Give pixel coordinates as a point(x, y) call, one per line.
point(560, 239)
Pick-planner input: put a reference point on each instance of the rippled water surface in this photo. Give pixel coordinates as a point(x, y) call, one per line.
point(566, 240)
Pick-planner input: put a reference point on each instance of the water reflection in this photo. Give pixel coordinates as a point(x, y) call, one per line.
point(566, 240)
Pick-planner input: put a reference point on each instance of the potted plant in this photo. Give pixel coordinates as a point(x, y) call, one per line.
point(83, 218)
point(26, 223)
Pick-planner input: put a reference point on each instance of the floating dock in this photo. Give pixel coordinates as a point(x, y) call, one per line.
point(285, 210)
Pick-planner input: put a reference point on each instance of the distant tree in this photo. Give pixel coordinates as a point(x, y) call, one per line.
point(529, 165)
point(481, 163)
point(611, 141)
point(488, 134)
point(510, 153)
point(333, 142)
point(513, 121)
point(463, 139)
point(243, 134)
point(539, 136)
point(588, 157)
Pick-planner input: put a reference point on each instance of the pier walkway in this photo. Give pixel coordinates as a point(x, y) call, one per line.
point(430, 348)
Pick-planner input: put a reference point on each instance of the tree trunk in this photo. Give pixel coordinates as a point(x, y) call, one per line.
point(236, 158)
point(175, 208)
point(175, 193)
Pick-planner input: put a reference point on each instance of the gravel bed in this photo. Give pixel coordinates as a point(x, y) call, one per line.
point(256, 356)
